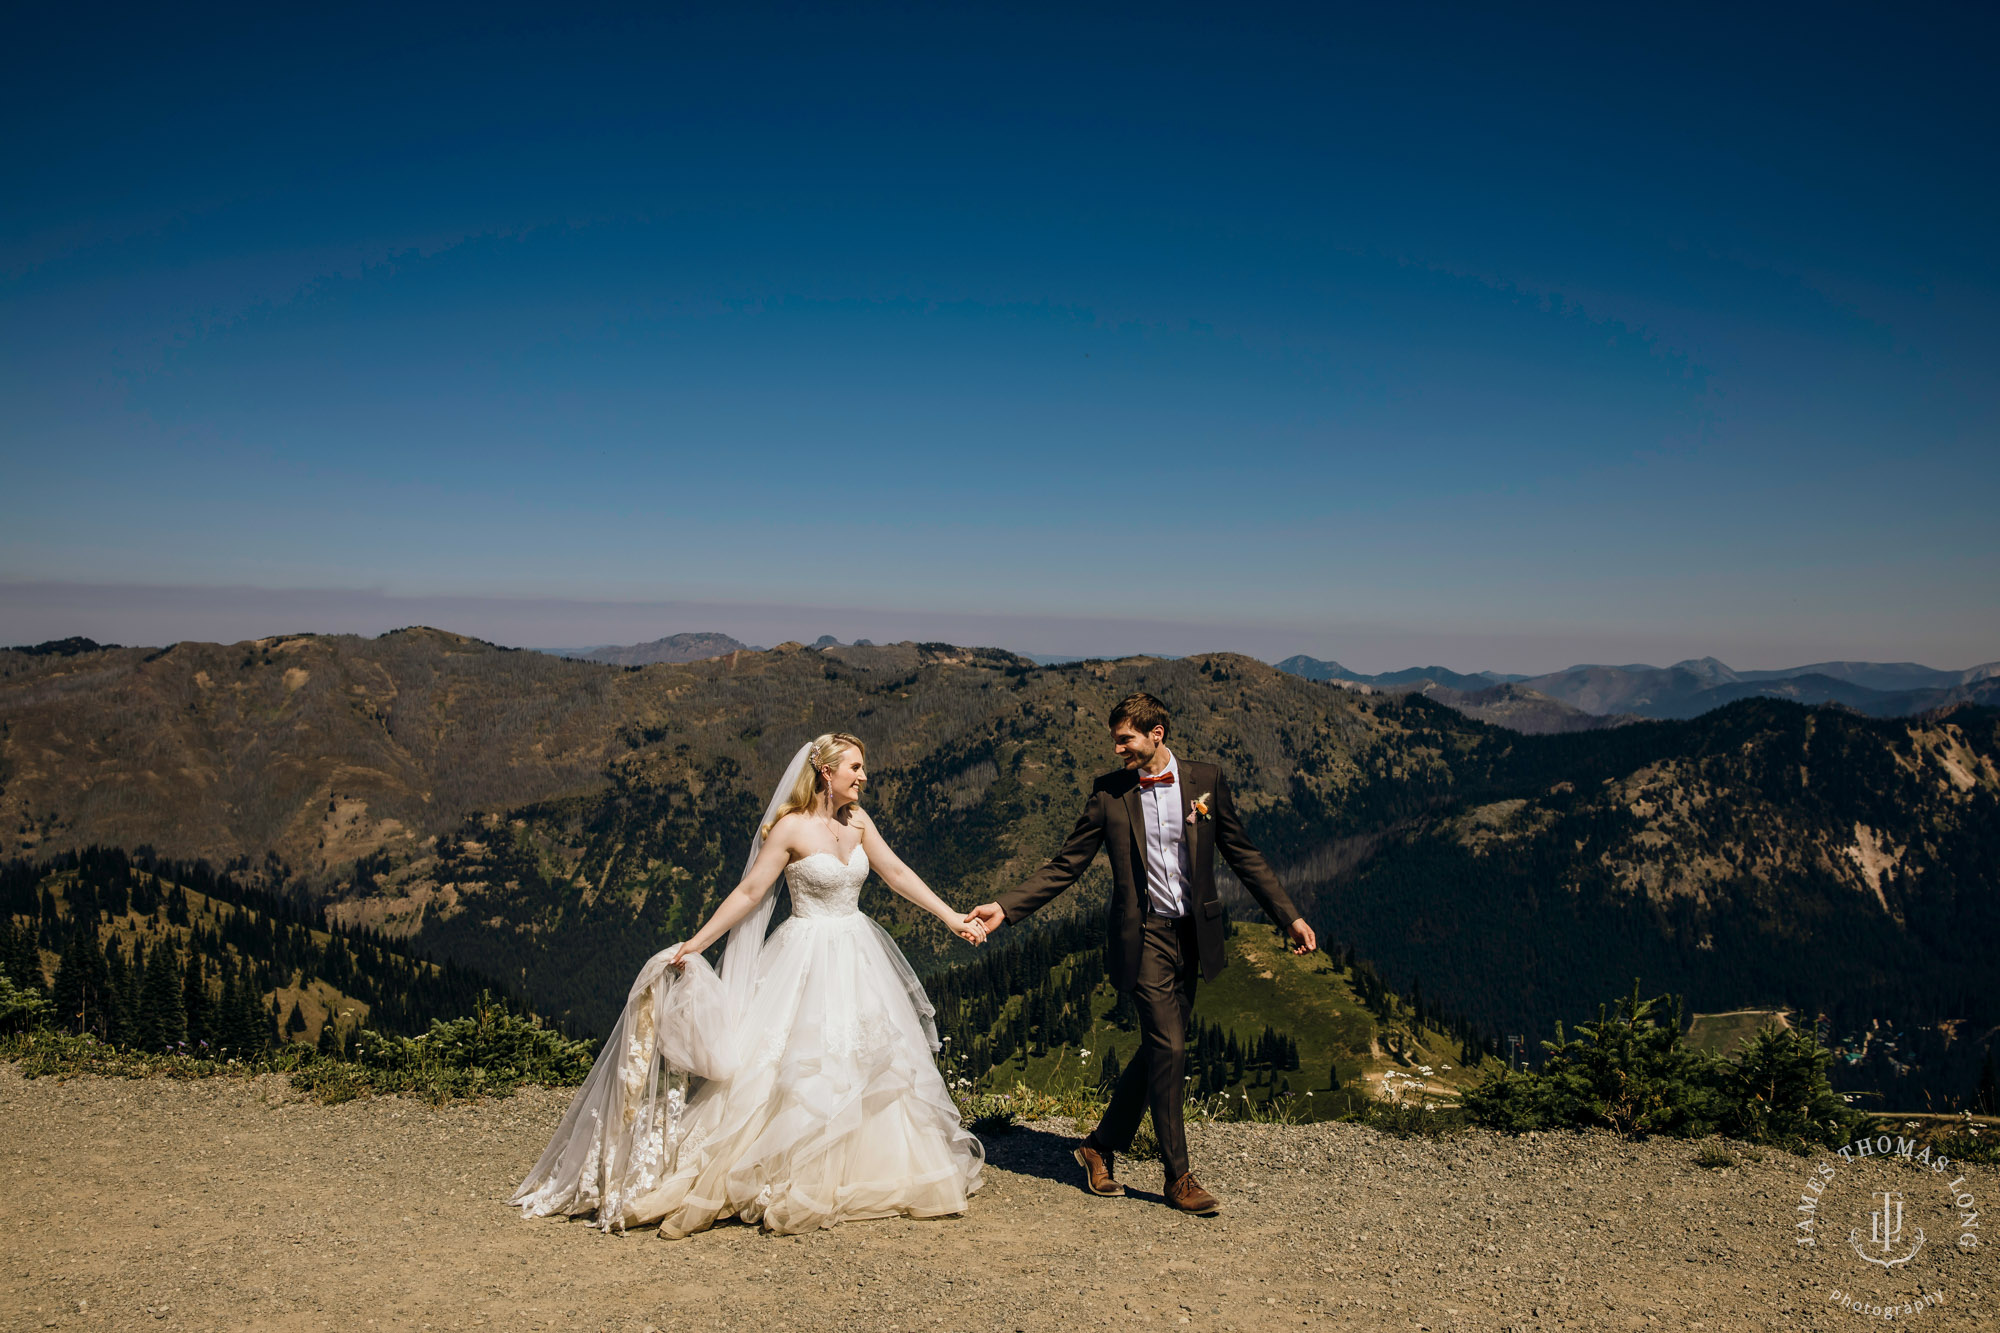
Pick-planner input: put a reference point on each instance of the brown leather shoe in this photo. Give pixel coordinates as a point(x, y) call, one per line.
point(1096, 1169)
point(1187, 1195)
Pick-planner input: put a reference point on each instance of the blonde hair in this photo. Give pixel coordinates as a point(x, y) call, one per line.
point(826, 751)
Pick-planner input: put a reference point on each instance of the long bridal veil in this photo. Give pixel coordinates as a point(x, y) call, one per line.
point(622, 1132)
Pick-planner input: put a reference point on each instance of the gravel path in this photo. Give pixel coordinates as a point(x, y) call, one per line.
point(230, 1205)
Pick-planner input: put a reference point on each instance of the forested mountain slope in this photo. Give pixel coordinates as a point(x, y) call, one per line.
point(174, 957)
point(553, 822)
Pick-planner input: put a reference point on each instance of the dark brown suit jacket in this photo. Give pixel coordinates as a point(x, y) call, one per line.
point(1112, 819)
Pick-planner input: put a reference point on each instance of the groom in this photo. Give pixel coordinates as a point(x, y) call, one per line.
point(1162, 819)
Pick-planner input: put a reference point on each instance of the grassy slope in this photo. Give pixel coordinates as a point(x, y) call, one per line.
point(1721, 1034)
point(1311, 1000)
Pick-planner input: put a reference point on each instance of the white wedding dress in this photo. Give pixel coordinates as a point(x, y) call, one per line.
point(810, 1100)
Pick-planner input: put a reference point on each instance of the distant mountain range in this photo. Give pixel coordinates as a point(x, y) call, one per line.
point(553, 822)
point(674, 648)
point(1584, 697)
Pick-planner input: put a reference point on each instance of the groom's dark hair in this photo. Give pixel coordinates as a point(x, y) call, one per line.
point(1143, 711)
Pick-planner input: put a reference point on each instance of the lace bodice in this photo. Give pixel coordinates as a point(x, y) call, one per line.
point(823, 886)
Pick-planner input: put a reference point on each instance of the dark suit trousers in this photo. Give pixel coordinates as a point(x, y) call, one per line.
point(1169, 961)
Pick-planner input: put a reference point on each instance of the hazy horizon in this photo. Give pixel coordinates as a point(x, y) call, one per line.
point(154, 616)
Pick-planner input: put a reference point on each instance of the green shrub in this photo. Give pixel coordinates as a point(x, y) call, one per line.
point(1713, 1155)
point(1974, 1144)
point(51, 1053)
point(21, 1007)
point(1629, 1072)
point(1775, 1091)
point(486, 1054)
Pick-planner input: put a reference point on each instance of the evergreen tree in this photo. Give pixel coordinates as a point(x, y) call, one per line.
point(1333, 1077)
point(81, 978)
point(296, 1023)
point(20, 960)
point(248, 1022)
point(128, 999)
point(162, 1021)
point(1107, 1075)
point(195, 1002)
point(225, 1029)
point(119, 996)
point(329, 1039)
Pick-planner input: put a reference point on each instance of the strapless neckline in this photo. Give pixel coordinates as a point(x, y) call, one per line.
point(830, 856)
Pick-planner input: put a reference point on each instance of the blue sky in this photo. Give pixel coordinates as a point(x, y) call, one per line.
point(1426, 336)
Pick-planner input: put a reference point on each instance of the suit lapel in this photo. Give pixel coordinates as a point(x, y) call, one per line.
point(1191, 786)
point(1135, 815)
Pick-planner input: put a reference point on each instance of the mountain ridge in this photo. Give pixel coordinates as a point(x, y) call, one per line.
point(1685, 689)
point(674, 648)
point(553, 822)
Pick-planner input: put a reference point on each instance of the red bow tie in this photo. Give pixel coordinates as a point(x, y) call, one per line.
point(1165, 779)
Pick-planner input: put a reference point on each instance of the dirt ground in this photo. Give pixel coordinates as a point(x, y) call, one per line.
point(231, 1205)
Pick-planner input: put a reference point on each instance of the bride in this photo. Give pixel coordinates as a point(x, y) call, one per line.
point(795, 1088)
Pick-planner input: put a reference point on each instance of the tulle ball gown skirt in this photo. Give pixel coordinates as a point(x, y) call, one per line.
point(819, 1102)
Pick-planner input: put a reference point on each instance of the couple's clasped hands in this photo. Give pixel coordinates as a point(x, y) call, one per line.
point(968, 927)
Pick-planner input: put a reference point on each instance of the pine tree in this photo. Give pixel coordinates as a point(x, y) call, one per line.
point(296, 1023)
point(118, 993)
point(129, 987)
point(195, 1002)
point(78, 994)
point(162, 1021)
point(329, 1038)
point(1107, 1074)
point(1333, 1077)
point(9, 950)
point(224, 1030)
point(27, 966)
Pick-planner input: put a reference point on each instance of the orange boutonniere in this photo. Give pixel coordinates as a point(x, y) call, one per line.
point(1198, 809)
